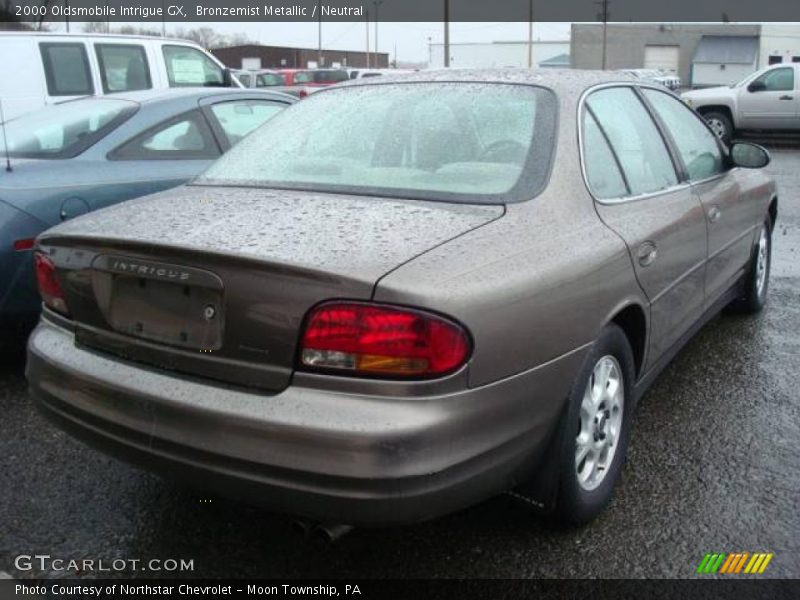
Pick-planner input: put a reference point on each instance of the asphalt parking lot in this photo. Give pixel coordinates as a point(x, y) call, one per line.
point(713, 467)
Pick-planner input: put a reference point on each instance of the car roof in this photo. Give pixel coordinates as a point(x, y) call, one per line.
point(107, 36)
point(560, 80)
point(162, 95)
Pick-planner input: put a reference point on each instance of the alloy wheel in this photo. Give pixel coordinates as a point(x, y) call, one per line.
point(599, 423)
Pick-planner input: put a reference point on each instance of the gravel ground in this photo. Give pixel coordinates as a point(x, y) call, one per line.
point(713, 466)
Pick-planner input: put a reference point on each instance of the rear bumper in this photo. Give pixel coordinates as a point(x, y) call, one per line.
point(330, 456)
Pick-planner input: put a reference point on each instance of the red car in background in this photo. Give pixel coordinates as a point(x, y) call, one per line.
point(302, 82)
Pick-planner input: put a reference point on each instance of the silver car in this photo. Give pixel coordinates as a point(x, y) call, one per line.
point(404, 295)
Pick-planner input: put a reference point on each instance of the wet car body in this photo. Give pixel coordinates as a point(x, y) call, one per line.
point(229, 403)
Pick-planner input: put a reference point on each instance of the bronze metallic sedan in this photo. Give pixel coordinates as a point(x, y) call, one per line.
point(404, 295)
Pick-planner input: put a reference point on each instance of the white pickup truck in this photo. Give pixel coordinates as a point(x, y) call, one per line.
point(768, 99)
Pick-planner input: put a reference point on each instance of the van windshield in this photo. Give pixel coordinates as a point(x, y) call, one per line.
point(456, 142)
point(65, 130)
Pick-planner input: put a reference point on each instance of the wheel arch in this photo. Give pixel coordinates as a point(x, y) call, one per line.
point(723, 108)
point(632, 319)
point(773, 212)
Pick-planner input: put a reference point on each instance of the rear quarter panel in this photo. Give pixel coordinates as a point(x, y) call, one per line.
point(532, 286)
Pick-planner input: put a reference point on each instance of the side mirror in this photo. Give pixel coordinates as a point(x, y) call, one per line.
point(756, 86)
point(227, 78)
point(749, 156)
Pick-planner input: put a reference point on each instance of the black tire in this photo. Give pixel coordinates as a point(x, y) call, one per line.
point(721, 124)
point(754, 296)
point(575, 503)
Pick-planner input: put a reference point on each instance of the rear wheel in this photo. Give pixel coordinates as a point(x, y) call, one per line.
point(596, 428)
point(756, 281)
point(720, 124)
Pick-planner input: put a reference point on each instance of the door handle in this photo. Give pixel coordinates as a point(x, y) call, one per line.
point(647, 254)
point(714, 214)
point(786, 98)
point(64, 215)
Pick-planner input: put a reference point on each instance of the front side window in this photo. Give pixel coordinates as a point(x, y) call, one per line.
point(188, 66)
point(697, 146)
point(239, 117)
point(185, 137)
point(66, 130)
point(66, 69)
point(420, 140)
point(123, 68)
point(777, 80)
point(635, 139)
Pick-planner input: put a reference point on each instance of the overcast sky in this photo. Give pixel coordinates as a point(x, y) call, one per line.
point(411, 38)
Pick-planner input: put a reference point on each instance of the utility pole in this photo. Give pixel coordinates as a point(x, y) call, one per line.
point(366, 26)
point(603, 16)
point(430, 53)
point(319, 35)
point(377, 3)
point(530, 34)
point(163, 19)
point(446, 33)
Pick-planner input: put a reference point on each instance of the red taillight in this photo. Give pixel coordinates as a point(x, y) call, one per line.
point(302, 94)
point(25, 244)
point(49, 288)
point(375, 339)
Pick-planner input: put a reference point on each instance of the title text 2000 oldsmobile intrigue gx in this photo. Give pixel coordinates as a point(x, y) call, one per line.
point(400, 297)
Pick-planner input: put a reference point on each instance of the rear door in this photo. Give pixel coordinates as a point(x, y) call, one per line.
point(641, 196)
point(164, 156)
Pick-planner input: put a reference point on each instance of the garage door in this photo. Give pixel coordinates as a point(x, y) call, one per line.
point(661, 57)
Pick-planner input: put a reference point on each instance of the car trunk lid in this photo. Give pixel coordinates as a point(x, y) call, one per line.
point(216, 281)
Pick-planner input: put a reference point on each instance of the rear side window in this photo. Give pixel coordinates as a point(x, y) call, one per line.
point(123, 68)
point(602, 170)
point(190, 67)
point(240, 117)
point(185, 137)
point(66, 69)
point(635, 139)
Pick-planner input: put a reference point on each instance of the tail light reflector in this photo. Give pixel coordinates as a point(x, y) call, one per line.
point(49, 288)
point(377, 339)
point(24, 244)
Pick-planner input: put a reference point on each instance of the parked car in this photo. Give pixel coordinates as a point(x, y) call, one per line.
point(654, 76)
point(767, 100)
point(265, 79)
point(86, 154)
point(52, 67)
point(462, 287)
point(302, 82)
point(360, 73)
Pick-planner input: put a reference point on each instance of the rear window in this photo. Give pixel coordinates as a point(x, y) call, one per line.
point(66, 130)
point(66, 69)
point(322, 76)
point(457, 142)
point(269, 80)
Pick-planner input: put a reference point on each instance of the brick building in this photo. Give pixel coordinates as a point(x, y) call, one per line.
point(254, 56)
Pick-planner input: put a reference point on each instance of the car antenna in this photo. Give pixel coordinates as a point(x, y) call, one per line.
point(5, 139)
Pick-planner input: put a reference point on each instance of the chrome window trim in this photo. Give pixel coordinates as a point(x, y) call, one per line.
point(579, 122)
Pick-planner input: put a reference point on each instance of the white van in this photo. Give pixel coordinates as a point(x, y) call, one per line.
point(45, 68)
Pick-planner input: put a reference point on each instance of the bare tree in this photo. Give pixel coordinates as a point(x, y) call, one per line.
point(202, 36)
point(235, 39)
point(96, 27)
